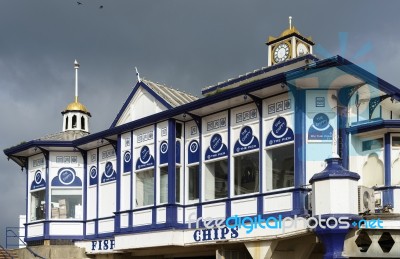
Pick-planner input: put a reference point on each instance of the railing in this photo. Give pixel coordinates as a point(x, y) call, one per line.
point(14, 235)
point(5, 251)
point(12, 240)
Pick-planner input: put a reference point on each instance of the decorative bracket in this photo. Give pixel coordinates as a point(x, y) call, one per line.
point(374, 102)
point(197, 119)
point(257, 101)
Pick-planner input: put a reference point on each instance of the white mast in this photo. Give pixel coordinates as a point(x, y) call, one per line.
point(76, 66)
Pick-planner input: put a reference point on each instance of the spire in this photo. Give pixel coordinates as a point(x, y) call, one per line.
point(76, 66)
point(290, 22)
point(138, 76)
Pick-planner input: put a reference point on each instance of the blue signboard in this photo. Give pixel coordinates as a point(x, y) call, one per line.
point(93, 175)
point(145, 159)
point(193, 152)
point(178, 151)
point(164, 152)
point(66, 177)
point(280, 133)
point(127, 162)
point(217, 148)
point(109, 173)
point(38, 181)
point(247, 141)
point(320, 129)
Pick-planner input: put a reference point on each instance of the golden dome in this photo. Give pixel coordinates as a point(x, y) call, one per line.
point(76, 106)
point(289, 31)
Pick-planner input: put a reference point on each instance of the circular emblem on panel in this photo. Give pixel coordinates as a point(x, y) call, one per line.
point(93, 172)
point(279, 127)
point(38, 176)
point(216, 143)
point(127, 156)
point(321, 121)
point(193, 146)
point(109, 170)
point(145, 154)
point(66, 176)
point(246, 136)
point(164, 147)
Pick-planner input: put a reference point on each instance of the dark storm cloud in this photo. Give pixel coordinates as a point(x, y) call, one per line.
point(184, 44)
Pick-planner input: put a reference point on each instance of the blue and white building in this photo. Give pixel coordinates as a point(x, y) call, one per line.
point(175, 176)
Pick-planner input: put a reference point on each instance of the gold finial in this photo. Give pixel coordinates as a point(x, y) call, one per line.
point(290, 22)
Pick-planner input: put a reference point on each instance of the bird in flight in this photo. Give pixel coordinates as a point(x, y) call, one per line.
point(79, 3)
point(101, 7)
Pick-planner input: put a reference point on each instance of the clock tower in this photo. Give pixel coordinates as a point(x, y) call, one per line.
point(290, 44)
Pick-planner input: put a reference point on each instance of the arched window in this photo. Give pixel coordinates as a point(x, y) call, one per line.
point(66, 123)
point(373, 171)
point(74, 121)
point(83, 123)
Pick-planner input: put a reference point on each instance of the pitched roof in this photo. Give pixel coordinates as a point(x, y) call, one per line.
point(64, 135)
point(172, 96)
point(167, 96)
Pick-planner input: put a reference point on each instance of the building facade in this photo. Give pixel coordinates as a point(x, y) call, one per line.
point(235, 174)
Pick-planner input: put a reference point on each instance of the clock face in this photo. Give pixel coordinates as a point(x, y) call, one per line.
point(281, 52)
point(301, 49)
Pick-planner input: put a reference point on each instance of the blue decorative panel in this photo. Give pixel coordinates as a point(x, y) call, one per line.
point(193, 152)
point(38, 181)
point(280, 133)
point(93, 176)
point(164, 152)
point(217, 148)
point(66, 177)
point(178, 151)
point(320, 129)
point(109, 173)
point(145, 159)
point(247, 141)
point(127, 162)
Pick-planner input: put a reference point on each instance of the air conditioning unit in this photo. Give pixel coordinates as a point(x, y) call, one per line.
point(366, 200)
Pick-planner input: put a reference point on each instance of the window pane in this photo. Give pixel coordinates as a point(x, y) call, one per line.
point(280, 163)
point(38, 205)
point(145, 188)
point(194, 182)
point(396, 141)
point(66, 204)
point(372, 144)
point(216, 179)
point(164, 184)
point(246, 173)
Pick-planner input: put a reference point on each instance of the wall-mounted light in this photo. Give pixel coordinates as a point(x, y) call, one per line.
point(245, 97)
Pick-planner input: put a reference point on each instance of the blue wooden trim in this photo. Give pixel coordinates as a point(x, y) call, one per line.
point(200, 130)
point(388, 159)
point(47, 196)
point(260, 201)
point(372, 125)
point(131, 183)
point(155, 182)
point(231, 173)
point(344, 136)
point(85, 188)
point(118, 153)
point(172, 210)
point(96, 226)
point(26, 200)
point(300, 159)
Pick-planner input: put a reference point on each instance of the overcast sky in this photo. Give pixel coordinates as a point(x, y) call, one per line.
point(185, 44)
